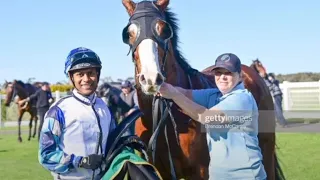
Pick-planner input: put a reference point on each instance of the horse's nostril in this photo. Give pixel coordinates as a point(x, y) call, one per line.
point(159, 79)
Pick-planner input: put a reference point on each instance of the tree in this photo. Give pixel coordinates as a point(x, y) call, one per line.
point(107, 79)
point(30, 80)
point(120, 80)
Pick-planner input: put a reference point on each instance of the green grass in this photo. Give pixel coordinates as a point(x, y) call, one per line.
point(19, 160)
point(15, 128)
point(299, 157)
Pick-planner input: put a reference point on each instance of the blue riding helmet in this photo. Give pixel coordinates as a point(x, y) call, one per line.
point(81, 58)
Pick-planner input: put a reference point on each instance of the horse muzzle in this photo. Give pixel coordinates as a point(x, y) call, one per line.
point(151, 82)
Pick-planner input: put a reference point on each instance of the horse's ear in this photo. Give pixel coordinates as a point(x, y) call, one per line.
point(163, 4)
point(129, 5)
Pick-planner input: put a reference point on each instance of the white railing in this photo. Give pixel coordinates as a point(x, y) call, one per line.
point(57, 95)
point(301, 96)
point(300, 99)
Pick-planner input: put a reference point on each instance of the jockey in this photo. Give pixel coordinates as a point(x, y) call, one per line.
point(230, 116)
point(75, 130)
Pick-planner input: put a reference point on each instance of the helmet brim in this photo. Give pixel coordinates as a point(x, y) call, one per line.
point(84, 64)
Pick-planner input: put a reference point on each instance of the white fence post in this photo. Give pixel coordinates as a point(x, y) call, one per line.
point(57, 95)
point(285, 91)
point(319, 90)
point(0, 111)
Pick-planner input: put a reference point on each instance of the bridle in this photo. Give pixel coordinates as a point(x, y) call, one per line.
point(148, 13)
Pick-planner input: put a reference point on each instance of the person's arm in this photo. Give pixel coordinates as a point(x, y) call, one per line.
point(50, 98)
point(189, 107)
point(226, 112)
point(185, 92)
point(193, 109)
point(33, 96)
point(233, 105)
point(51, 155)
point(135, 101)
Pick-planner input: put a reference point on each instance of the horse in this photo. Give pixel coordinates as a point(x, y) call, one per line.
point(110, 96)
point(22, 91)
point(258, 67)
point(157, 58)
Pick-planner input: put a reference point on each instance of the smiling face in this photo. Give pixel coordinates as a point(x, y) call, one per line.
point(85, 80)
point(148, 37)
point(226, 80)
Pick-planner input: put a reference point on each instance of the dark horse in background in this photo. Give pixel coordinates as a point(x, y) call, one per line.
point(110, 95)
point(156, 56)
point(22, 91)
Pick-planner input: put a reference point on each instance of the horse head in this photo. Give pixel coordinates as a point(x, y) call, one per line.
point(108, 93)
point(151, 35)
point(257, 65)
point(10, 92)
point(19, 89)
point(103, 90)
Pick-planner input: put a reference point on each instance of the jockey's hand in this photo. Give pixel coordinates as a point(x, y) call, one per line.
point(168, 91)
point(93, 161)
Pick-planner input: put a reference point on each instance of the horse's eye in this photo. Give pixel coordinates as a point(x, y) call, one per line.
point(132, 30)
point(162, 30)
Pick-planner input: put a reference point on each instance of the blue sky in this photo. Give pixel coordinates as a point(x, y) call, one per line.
point(37, 35)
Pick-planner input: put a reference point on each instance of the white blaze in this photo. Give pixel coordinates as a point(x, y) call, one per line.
point(148, 54)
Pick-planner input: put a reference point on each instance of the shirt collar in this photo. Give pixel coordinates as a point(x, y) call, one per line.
point(88, 100)
point(236, 89)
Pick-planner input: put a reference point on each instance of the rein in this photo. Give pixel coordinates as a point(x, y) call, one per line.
point(161, 108)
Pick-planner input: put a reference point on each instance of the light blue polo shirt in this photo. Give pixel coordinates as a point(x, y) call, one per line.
point(234, 149)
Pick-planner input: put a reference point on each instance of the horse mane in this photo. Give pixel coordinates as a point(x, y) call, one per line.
point(173, 21)
point(29, 88)
point(20, 83)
